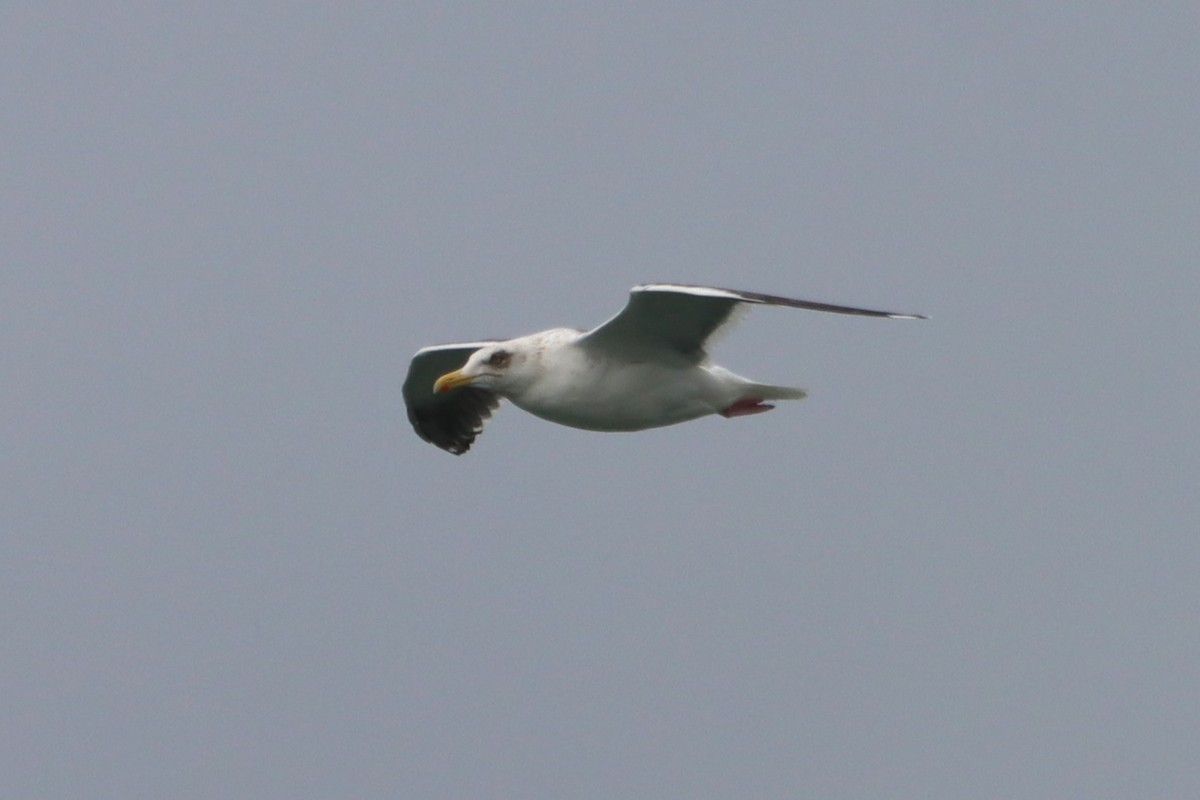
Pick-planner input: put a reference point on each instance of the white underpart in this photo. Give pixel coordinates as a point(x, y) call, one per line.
point(575, 388)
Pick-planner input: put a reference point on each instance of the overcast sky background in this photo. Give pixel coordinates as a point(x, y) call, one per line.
point(966, 566)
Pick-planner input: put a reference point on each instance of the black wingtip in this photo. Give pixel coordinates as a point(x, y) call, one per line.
point(453, 424)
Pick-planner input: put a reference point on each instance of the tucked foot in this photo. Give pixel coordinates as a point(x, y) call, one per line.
point(745, 407)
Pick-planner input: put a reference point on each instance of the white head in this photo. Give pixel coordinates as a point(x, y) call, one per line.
point(496, 367)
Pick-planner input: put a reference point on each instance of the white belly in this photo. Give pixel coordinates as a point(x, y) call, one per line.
point(603, 396)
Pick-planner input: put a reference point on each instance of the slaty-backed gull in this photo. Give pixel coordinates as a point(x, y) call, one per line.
point(644, 368)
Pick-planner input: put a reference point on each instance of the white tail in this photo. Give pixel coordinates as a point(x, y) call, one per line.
point(767, 391)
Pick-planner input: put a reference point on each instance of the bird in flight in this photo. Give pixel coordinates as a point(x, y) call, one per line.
point(646, 367)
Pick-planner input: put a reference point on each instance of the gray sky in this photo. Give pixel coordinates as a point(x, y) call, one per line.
point(966, 566)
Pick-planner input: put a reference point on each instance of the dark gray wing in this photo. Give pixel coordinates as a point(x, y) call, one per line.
point(451, 420)
point(681, 318)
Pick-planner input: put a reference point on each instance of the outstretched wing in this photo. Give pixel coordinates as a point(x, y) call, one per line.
point(681, 318)
point(451, 420)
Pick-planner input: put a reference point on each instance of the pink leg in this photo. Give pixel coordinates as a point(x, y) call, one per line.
point(745, 407)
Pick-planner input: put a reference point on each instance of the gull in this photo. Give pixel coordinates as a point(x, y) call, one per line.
point(646, 367)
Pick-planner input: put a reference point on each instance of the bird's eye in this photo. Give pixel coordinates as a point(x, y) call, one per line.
point(499, 358)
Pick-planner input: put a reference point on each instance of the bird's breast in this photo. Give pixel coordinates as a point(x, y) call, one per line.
point(610, 395)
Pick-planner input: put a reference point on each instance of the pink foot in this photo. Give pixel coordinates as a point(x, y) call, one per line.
point(745, 407)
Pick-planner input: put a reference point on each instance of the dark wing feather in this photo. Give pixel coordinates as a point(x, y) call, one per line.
point(812, 305)
point(451, 420)
point(681, 318)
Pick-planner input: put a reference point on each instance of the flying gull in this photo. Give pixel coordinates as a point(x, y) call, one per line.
point(644, 368)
